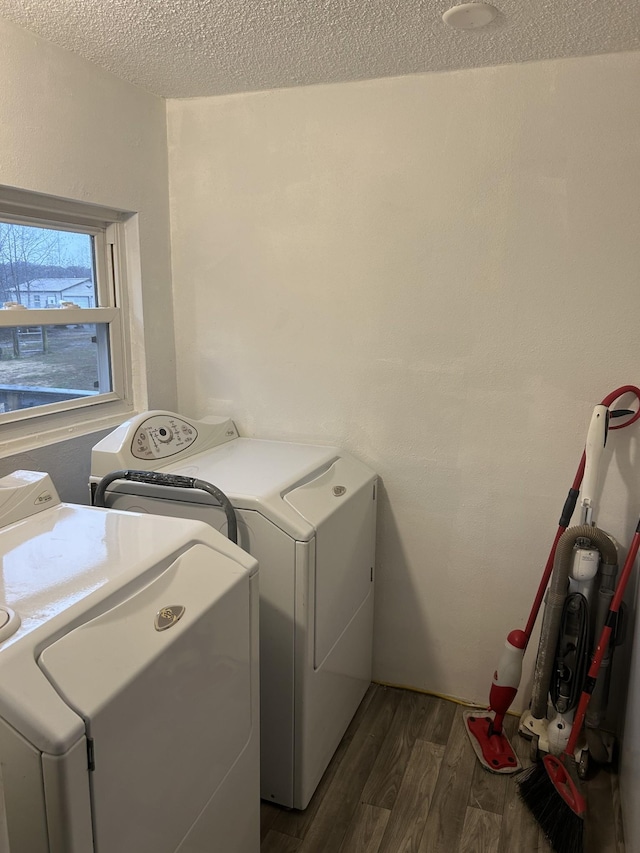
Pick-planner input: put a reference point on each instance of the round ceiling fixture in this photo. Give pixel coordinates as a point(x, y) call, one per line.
point(470, 16)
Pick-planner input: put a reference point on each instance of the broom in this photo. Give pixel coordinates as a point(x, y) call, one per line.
point(550, 789)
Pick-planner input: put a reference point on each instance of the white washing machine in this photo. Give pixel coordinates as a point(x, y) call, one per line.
point(129, 681)
point(308, 514)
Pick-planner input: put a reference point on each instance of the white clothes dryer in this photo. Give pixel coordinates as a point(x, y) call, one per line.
point(129, 673)
point(308, 514)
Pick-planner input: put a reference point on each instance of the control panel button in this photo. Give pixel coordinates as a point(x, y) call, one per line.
point(9, 622)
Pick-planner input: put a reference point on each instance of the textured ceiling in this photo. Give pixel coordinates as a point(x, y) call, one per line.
point(187, 48)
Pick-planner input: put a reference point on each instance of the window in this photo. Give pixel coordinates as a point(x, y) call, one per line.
point(65, 356)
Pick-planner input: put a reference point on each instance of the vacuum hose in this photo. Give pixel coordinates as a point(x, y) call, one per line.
point(555, 603)
point(572, 654)
point(153, 478)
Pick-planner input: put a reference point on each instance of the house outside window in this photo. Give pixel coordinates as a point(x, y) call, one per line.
point(55, 291)
point(65, 353)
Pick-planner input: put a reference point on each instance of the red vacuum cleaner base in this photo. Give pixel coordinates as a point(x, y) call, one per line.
point(494, 751)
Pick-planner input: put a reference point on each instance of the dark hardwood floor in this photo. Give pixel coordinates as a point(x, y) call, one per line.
point(405, 779)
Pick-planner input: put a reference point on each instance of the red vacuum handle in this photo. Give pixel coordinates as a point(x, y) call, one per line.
point(615, 395)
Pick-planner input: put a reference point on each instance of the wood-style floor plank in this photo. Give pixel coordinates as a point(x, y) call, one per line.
point(366, 830)
point(268, 815)
point(480, 832)
point(409, 814)
point(390, 765)
point(411, 751)
point(437, 725)
point(448, 809)
point(277, 842)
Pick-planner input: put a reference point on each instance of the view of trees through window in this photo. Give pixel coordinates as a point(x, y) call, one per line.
point(29, 254)
point(45, 268)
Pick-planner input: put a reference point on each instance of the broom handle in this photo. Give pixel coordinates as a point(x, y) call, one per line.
point(603, 643)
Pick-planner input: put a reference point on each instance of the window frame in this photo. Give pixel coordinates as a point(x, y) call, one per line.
point(111, 229)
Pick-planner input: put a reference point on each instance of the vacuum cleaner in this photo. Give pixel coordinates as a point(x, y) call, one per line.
point(581, 589)
point(485, 729)
point(549, 788)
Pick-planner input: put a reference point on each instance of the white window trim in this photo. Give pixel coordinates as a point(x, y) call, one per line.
point(119, 284)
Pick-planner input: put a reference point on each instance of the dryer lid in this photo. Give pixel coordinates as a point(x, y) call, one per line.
point(257, 469)
point(256, 474)
point(253, 473)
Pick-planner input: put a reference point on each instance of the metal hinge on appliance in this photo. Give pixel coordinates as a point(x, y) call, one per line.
point(91, 762)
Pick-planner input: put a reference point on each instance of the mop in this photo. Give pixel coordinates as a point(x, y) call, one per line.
point(485, 730)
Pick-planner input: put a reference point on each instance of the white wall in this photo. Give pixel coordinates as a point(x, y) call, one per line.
point(439, 273)
point(71, 130)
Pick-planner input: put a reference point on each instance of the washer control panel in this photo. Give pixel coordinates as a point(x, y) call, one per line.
point(161, 436)
point(157, 436)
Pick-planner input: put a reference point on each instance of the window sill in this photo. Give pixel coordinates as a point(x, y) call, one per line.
point(21, 438)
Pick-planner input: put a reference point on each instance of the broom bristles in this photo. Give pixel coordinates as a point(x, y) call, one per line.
point(562, 827)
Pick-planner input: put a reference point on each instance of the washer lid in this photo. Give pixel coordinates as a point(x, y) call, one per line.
point(169, 710)
point(65, 565)
point(25, 493)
